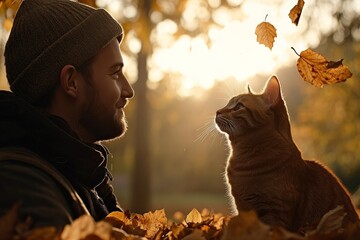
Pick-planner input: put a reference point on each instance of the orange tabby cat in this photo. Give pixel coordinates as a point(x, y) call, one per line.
point(265, 171)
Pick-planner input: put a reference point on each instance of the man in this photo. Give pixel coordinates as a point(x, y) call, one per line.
point(64, 68)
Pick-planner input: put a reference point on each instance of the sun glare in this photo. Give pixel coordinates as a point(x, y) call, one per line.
point(233, 51)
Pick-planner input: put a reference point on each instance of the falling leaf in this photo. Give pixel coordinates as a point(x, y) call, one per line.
point(295, 12)
point(266, 34)
point(315, 69)
point(194, 217)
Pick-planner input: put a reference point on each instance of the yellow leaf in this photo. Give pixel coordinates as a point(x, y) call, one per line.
point(153, 222)
point(7, 24)
point(315, 69)
point(194, 217)
point(266, 34)
point(117, 219)
point(79, 229)
point(295, 12)
point(246, 225)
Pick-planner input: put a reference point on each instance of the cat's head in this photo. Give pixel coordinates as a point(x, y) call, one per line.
point(248, 112)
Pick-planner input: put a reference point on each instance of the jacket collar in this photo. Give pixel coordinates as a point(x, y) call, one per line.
point(51, 137)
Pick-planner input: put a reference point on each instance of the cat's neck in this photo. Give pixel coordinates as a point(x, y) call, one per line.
point(263, 145)
point(266, 137)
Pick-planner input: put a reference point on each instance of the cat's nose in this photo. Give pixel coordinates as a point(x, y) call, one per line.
point(220, 111)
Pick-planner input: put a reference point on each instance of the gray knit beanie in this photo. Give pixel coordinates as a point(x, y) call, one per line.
point(49, 34)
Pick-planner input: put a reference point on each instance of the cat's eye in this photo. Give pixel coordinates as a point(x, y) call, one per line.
point(238, 106)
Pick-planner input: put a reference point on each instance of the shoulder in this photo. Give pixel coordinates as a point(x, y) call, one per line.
point(39, 194)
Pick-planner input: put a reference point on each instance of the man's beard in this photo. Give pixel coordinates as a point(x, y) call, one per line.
point(103, 122)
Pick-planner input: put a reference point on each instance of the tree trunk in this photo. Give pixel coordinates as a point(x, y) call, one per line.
point(141, 194)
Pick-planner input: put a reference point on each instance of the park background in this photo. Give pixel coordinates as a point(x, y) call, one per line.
point(187, 58)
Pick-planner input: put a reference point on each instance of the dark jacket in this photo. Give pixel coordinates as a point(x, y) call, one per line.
point(39, 193)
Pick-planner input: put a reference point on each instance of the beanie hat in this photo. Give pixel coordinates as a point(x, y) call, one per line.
point(49, 34)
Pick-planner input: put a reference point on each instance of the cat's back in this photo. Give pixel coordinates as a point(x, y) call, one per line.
point(324, 192)
point(323, 178)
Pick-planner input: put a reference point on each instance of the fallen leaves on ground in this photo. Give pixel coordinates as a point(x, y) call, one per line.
point(315, 69)
point(295, 12)
point(266, 34)
point(195, 226)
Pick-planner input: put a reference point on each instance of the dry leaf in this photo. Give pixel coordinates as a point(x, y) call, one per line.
point(8, 222)
point(119, 234)
point(46, 233)
point(79, 229)
point(315, 69)
point(197, 234)
point(246, 226)
point(266, 34)
point(117, 219)
point(86, 228)
point(153, 222)
point(331, 222)
point(295, 12)
point(194, 217)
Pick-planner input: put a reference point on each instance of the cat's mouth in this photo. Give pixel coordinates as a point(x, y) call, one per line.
point(222, 124)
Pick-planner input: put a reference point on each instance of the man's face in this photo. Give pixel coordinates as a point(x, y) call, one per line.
point(106, 96)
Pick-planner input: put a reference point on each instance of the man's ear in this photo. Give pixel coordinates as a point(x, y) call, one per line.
point(68, 80)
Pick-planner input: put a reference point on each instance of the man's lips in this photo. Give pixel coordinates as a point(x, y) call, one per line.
point(122, 103)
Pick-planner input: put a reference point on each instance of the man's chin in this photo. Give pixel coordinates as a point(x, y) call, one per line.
point(116, 133)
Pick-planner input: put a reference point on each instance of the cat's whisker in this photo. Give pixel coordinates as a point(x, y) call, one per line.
point(206, 130)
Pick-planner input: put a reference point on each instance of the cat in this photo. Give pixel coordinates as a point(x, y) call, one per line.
point(265, 171)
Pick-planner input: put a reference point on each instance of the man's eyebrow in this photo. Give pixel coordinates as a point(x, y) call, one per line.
point(117, 65)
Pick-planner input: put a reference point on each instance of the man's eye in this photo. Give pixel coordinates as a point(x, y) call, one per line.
point(238, 106)
point(116, 75)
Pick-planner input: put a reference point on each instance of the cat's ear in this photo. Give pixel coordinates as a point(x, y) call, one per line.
point(249, 89)
point(272, 92)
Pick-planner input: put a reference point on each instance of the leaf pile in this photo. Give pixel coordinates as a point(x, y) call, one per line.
point(155, 225)
point(196, 226)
